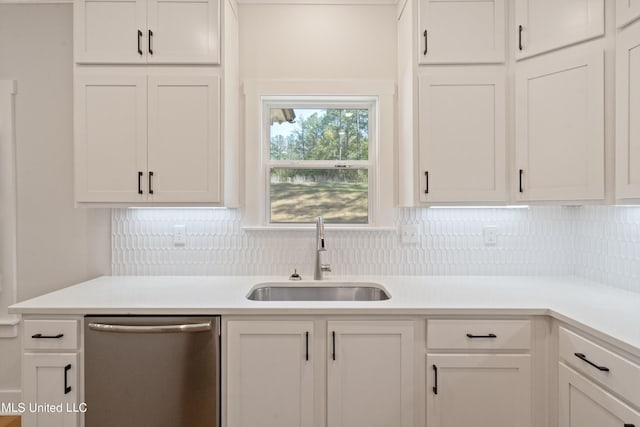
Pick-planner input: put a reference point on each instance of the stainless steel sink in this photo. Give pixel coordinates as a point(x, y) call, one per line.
point(318, 291)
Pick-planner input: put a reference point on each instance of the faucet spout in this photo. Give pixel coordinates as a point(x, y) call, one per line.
point(320, 268)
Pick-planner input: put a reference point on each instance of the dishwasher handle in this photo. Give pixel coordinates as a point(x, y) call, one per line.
point(151, 329)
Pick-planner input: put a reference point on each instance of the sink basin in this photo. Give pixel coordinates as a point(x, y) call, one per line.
point(318, 291)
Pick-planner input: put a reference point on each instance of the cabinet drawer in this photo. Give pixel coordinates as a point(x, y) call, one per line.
point(50, 334)
point(613, 371)
point(479, 334)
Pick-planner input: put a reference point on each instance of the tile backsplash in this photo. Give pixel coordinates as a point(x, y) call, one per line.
point(601, 243)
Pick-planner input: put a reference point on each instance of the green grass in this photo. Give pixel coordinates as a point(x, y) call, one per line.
point(336, 202)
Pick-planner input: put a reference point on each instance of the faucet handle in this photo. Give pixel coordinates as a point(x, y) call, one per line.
point(295, 275)
point(325, 267)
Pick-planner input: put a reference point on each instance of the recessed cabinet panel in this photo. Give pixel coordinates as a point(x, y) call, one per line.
point(184, 139)
point(369, 374)
point(270, 374)
point(462, 136)
point(627, 11)
point(545, 25)
point(478, 390)
point(560, 127)
point(628, 113)
point(584, 404)
point(453, 31)
point(184, 31)
point(50, 379)
point(110, 137)
point(108, 31)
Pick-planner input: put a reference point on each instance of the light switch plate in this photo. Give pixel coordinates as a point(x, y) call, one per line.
point(490, 235)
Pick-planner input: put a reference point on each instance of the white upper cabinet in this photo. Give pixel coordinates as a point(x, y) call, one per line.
point(462, 135)
point(147, 31)
point(147, 139)
point(545, 25)
point(453, 31)
point(628, 113)
point(560, 126)
point(627, 11)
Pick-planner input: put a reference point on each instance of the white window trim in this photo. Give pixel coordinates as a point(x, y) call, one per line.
point(382, 177)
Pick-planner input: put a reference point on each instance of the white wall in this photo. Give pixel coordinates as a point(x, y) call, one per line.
point(57, 244)
point(317, 41)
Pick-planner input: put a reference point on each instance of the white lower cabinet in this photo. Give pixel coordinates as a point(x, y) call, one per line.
point(370, 374)
point(273, 369)
point(50, 384)
point(478, 389)
point(270, 373)
point(584, 404)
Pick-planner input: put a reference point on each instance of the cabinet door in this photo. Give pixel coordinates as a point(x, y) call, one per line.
point(270, 374)
point(184, 31)
point(110, 138)
point(628, 113)
point(50, 379)
point(627, 11)
point(370, 374)
point(462, 136)
point(560, 126)
point(110, 31)
point(584, 404)
point(545, 25)
point(453, 31)
point(478, 390)
point(184, 139)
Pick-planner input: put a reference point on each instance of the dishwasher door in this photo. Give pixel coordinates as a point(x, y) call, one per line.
point(152, 371)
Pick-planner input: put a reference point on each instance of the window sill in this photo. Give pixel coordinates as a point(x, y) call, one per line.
point(311, 227)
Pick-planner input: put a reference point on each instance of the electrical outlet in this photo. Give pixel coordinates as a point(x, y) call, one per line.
point(179, 235)
point(490, 234)
point(409, 234)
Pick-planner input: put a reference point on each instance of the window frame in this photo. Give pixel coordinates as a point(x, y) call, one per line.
point(382, 185)
point(321, 102)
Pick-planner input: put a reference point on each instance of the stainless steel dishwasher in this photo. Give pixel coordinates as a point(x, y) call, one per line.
point(152, 371)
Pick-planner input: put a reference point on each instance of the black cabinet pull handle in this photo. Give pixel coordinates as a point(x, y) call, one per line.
point(140, 182)
point(520, 181)
point(582, 357)
point(629, 425)
point(40, 336)
point(426, 43)
point(426, 179)
point(333, 346)
point(67, 388)
point(151, 42)
point(150, 182)
point(435, 379)
point(139, 42)
point(306, 346)
point(520, 37)
point(482, 336)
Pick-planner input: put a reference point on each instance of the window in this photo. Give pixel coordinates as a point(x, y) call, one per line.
point(315, 147)
point(319, 160)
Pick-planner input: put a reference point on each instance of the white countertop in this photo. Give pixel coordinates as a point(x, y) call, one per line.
point(606, 312)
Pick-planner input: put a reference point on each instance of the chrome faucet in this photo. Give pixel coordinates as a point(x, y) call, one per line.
point(320, 247)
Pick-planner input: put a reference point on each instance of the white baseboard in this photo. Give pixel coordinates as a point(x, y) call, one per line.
point(9, 398)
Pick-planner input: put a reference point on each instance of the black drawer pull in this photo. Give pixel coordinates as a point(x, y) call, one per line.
point(520, 189)
point(139, 42)
point(426, 45)
point(629, 425)
point(520, 37)
point(306, 345)
point(426, 182)
point(435, 379)
point(40, 336)
point(67, 388)
point(584, 359)
point(139, 182)
point(150, 182)
point(333, 350)
point(150, 42)
point(482, 336)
